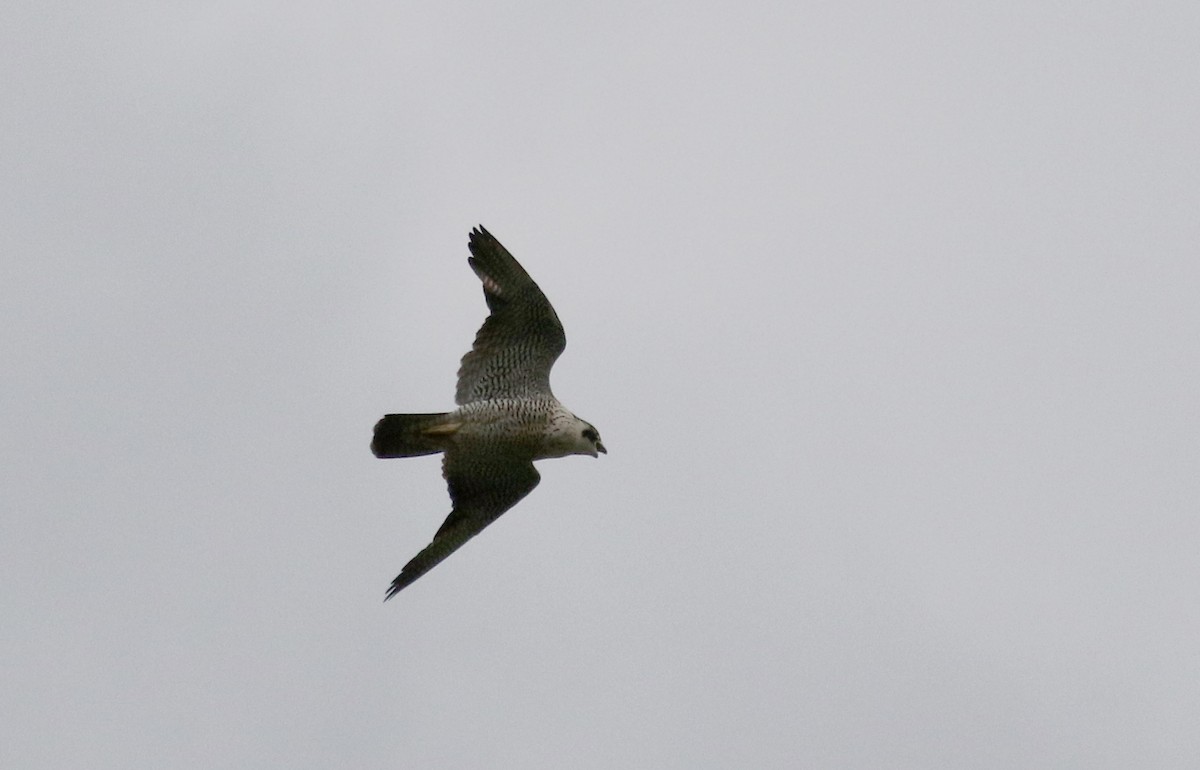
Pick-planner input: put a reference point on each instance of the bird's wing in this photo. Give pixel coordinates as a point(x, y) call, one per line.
point(481, 488)
point(521, 339)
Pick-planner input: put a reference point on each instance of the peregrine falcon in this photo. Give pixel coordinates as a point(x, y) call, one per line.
point(506, 417)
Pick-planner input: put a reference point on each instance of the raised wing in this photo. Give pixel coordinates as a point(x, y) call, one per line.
point(481, 489)
point(521, 339)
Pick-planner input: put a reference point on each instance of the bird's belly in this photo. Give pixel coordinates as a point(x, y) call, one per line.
point(518, 428)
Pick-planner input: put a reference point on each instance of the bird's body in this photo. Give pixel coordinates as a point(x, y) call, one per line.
point(507, 416)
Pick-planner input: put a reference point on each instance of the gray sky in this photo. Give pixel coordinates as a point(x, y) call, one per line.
point(887, 314)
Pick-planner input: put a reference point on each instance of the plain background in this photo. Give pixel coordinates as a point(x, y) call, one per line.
point(887, 312)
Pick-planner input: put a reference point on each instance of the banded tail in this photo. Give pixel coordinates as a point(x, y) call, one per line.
point(412, 435)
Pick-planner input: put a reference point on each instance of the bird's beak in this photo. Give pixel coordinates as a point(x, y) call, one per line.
point(600, 448)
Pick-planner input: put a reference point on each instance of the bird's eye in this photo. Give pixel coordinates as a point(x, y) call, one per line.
point(590, 434)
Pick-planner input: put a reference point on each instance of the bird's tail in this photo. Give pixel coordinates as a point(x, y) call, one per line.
point(410, 435)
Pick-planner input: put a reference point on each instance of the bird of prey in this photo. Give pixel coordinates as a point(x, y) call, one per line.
point(506, 416)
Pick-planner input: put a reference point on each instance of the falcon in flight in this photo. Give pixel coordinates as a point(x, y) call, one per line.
point(506, 417)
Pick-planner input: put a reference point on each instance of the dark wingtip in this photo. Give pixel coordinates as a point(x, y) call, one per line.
point(394, 588)
point(479, 233)
point(477, 241)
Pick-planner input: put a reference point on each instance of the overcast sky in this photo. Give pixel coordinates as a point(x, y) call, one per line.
point(888, 313)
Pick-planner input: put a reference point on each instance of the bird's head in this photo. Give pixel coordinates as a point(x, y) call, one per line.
point(572, 436)
point(591, 440)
